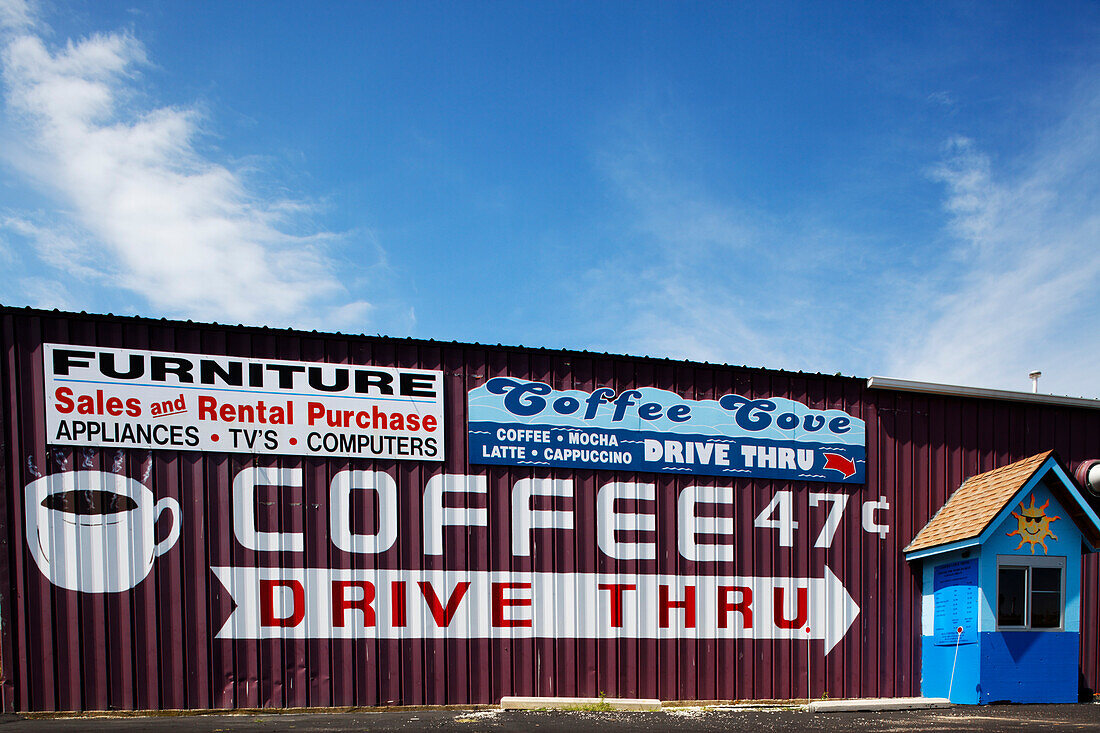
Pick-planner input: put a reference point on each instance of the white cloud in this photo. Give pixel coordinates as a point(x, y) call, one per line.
point(15, 15)
point(47, 293)
point(1011, 284)
point(138, 204)
point(656, 294)
point(1024, 292)
point(56, 245)
point(695, 276)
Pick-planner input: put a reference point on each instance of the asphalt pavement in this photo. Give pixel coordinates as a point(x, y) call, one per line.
point(1079, 717)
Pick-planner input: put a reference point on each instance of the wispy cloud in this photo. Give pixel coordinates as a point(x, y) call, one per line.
point(1022, 291)
point(139, 206)
point(15, 15)
point(711, 278)
point(1008, 285)
point(654, 294)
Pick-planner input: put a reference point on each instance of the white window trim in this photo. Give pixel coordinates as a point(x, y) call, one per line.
point(1028, 562)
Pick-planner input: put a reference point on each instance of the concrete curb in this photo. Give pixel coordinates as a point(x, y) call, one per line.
point(594, 704)
point(878, 703)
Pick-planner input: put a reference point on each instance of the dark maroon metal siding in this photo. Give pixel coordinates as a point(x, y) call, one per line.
point(154, 647)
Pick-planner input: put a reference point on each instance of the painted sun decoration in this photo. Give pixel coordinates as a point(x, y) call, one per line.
point(1033, 525)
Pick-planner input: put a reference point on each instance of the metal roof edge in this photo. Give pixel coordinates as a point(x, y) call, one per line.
point(428, 342)
point(951, 390)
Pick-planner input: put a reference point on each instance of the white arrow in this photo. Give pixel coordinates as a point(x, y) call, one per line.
point(323, 603)
point(838, 610)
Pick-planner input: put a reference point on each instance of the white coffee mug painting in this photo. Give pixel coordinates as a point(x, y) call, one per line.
point(95, 532)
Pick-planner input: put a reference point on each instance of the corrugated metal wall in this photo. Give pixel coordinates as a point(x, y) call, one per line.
point(154, 647)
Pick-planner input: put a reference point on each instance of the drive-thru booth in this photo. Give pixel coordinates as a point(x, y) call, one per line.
point(199, 516)
point(1001, 621)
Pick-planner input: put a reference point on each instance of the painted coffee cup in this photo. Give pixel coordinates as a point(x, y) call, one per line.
point(95, 531)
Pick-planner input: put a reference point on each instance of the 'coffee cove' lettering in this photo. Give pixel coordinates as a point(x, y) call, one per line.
point(529, 400)
point(221, 371)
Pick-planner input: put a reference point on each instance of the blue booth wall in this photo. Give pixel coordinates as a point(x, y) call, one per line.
point(1031, 666)
point(992, 665)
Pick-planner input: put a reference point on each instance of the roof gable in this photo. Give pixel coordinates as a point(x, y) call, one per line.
point(983, 501)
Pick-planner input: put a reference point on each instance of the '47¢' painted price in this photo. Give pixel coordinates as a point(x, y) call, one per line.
point(779, 515)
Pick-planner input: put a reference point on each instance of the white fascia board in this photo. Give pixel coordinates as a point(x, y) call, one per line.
point(905, 385)
point(941, 549)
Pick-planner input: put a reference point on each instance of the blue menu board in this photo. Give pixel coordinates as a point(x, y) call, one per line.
point(955, 589)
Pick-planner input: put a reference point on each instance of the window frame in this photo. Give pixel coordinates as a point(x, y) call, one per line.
point(1028, 564)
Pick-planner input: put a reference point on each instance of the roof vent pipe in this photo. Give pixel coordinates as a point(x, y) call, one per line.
point(1035, 380)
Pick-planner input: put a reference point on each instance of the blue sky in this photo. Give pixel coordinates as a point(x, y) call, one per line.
point(897, 189)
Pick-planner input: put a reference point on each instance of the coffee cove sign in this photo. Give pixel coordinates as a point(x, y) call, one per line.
point(516, 422)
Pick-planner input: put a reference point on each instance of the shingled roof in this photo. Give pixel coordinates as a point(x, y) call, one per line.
point(976, 503)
